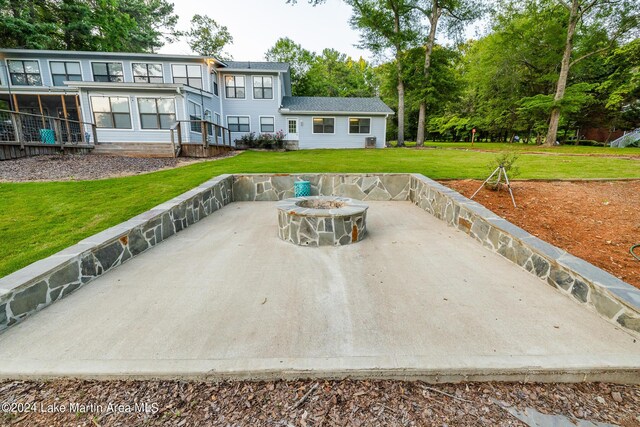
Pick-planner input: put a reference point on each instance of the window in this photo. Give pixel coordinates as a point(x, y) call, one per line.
point(267, 124)
point(238, 123)
point(25, 73)
point(218, 120)
point(234, 86)
point(111, 112)
point(147, 73)
point(107, 72)
point(195, 113)
point(262, 87)
point(62, 71)
point(323, 125)
point(357, 125)
point(293, 126)
point(157, 113)
point(214, 77)
point(190, 75)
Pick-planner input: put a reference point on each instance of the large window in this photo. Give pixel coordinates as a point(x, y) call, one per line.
point(238, 123)
point(62, 71)
point(323, 125)
point(157, 113)
point(107, 72)
point(195, 113)
point(234, 86)
point(267, 124)
point(24, 73)
point(359, 125)
point(147, 73)
point(190, 75)
point(111, 112)
point(262, 87)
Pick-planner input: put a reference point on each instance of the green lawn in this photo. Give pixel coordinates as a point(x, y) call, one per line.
point(38, 219)
point(531, 148)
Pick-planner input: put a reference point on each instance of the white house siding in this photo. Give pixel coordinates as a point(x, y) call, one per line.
point(135, 134)
point(341, 138)
point(254, 108)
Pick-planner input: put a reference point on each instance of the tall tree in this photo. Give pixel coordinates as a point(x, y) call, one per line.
point(100, 25)
point(300, 60)
point(455, 14)
point(207, 38)
point(388, 25)
point(619, 18)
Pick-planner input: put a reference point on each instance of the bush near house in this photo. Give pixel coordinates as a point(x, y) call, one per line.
point(268, 141)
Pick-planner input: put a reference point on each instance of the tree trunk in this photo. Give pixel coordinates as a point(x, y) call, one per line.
point(398, 47)
point(554, 119)
point(422, 113)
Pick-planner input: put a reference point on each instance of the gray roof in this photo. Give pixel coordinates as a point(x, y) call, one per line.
point(316, 104)
point(262, 66)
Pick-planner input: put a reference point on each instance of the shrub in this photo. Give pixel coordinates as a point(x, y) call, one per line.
point(266, 141)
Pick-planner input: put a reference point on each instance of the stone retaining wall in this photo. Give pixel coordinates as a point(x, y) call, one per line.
point(609, 296)
point(46, 281)
point(365, 187)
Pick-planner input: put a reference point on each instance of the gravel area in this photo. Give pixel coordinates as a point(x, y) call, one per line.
point(84, 167)
point(308, 403)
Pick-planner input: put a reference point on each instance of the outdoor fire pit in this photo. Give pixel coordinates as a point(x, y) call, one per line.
point(322, 220)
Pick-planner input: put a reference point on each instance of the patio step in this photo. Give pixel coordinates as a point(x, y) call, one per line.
point(134, 149)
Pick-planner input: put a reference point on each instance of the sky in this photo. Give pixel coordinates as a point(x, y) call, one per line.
point(257, 24)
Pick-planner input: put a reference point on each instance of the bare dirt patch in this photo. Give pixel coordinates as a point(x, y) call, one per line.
point(315, 403)
point(69, 167)
point(596, 221)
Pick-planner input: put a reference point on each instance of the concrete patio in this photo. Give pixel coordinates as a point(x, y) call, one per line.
point(227, 298)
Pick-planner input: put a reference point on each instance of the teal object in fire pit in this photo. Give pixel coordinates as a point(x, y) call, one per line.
point(302, 188)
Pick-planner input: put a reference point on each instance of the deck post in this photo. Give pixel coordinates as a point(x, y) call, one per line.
point(66, 117)
point(229, 130)
point(203, 130)
point(82, 136)
point(58, 132)
point(17, 126)
point(41, 111)
point(215, 130)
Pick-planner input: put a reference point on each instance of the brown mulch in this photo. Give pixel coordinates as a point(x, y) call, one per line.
point(70, 167)
point(596, 221)
point(308, 403)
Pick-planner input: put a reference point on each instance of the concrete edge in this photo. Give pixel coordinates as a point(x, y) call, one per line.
point(610, 297)
point(620, 369)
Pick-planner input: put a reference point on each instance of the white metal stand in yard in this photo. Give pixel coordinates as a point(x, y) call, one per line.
point(500, 170)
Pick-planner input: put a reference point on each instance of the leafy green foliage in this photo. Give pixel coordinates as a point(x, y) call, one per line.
point(329, 74)
point(207, 38)
point(506, 160)
point(100, 25)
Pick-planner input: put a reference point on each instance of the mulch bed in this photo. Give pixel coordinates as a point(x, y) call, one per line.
point(312, 403)
point(83, 167)
point(596, 221)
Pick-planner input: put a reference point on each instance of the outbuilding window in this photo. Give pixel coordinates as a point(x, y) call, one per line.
point(359, 125)
point(324, 125)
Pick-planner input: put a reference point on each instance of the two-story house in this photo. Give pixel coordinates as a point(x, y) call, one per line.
point(135, 98)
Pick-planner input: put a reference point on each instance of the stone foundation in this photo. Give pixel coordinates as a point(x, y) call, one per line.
point(322, 220)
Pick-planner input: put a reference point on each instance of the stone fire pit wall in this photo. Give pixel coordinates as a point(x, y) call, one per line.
point(312, 225)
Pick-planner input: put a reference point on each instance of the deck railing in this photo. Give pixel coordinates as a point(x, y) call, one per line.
point(34, 129)
point(199, 132)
